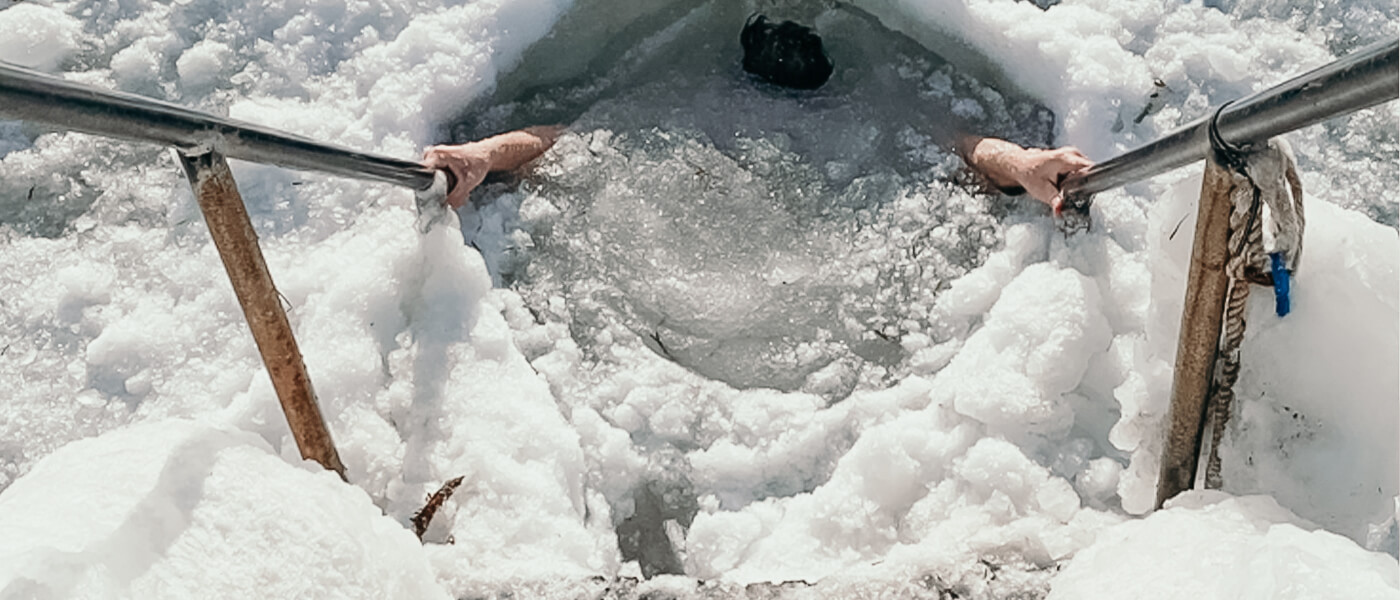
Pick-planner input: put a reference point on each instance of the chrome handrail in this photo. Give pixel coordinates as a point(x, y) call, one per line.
point(32, 96)
point(1359, 80)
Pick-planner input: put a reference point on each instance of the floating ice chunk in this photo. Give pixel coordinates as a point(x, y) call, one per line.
point(203, 65)
point(138, 66)
point(975, 293)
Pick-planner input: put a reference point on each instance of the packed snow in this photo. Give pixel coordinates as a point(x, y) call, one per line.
point(180, 509)
point(721, 340)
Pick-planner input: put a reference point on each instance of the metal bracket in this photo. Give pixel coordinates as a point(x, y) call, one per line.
point(1074, 213)
point(432, 203)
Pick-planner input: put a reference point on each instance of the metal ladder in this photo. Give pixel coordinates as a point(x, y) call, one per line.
point(203, 141)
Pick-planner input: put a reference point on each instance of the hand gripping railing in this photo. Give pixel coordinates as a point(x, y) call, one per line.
point(1359, 80)
point(1363, 79)
point(202, 142)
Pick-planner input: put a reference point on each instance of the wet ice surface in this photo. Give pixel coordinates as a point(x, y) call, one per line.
point(759, 236)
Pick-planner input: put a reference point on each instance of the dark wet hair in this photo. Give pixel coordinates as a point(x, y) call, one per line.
point(785, 54)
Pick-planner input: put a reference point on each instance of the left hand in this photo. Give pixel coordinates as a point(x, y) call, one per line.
point(469, 163)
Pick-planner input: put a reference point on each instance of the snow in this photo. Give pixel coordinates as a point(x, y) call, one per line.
point(1033, 348)
point(38, 37)
point(179, 509)
point(768, 334)
point(1203, 541)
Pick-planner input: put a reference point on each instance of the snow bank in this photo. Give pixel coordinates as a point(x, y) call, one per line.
point(1209, 545)
point(179, 509)
point(1316, 412)
point(937, 485)
point(414, 367)
point(1307, 378)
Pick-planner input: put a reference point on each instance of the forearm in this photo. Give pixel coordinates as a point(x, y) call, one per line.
point(995, 159)
point(510, 151)
point(1015, 170)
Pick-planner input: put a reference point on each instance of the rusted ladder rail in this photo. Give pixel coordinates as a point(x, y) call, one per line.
point(202, 141)
point(1365, 78)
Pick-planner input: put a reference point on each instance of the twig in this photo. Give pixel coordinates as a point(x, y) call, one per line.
point(1178, 226)
point(425, 516)
point(666, 352)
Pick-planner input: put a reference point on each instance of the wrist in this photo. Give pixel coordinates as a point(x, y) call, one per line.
point(1004, 164)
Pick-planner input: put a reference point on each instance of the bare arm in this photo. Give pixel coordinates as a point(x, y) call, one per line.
point(1006, 165)
point(470, 162)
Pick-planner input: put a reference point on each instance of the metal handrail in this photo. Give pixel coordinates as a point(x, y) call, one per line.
point(32, 96)
point(1363, 79)
point(1360, 80)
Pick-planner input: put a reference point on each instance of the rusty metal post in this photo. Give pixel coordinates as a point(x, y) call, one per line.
point(237, 243)
point(1197, 345)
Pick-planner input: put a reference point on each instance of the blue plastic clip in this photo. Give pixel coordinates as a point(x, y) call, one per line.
point(1280, 274)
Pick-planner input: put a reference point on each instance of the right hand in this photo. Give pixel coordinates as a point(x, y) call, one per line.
point(1042, 172)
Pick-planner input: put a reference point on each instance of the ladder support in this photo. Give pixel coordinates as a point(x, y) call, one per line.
point(1199, 340)
point(237, 243)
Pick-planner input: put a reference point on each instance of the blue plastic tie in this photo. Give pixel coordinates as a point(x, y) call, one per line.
point(1280, 274)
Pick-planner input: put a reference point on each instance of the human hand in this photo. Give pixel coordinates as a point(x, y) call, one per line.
point(468, 163)
point(1041, 172)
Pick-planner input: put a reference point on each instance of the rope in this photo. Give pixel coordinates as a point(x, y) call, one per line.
point(1266, 240)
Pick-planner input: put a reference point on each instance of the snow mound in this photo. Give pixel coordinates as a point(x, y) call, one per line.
point(1212, 545)
point(178, 509)
point(38, 37)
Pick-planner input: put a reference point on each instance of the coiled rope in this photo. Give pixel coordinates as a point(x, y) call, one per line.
point(1266, 241)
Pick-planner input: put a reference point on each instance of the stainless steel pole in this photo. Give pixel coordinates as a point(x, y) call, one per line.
point(32, 96)
point(1360, 80)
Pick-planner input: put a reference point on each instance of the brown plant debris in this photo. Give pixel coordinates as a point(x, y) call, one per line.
point(435, 500)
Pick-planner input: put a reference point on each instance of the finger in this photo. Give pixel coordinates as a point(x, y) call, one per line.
point(433, 158)
point(458, 196)
point(1068, 158)
point(1071, 164)
point(1072, 151)
point(1068, 154)
point(1057, 205)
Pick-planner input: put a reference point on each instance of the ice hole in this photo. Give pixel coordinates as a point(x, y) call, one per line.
point(759, 236)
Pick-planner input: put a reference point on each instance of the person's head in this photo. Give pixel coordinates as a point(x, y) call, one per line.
point(785, 54)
